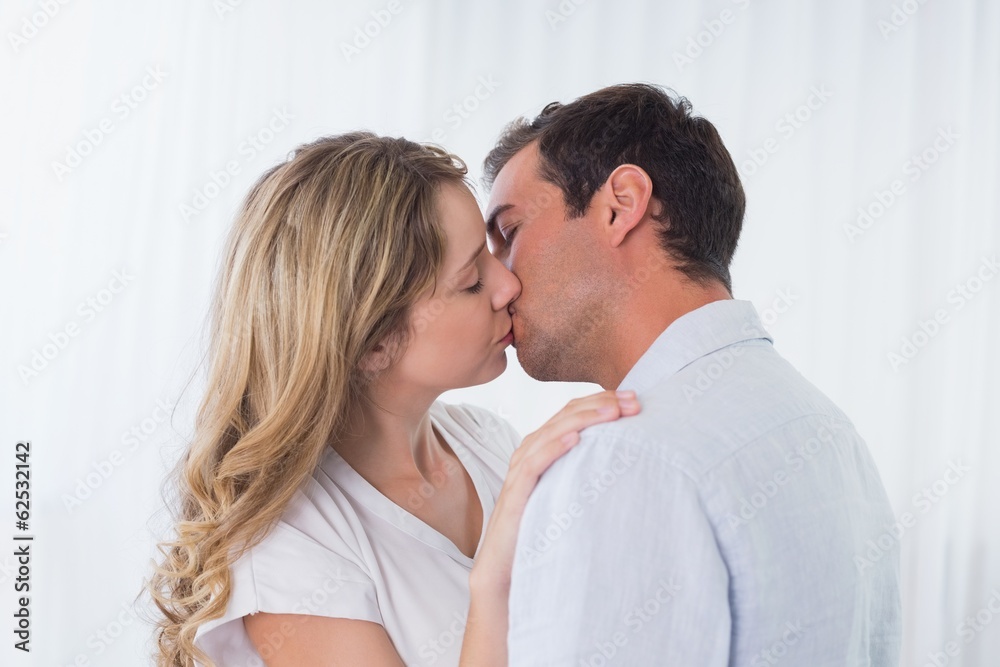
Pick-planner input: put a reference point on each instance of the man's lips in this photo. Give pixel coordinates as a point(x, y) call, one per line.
point(509, 338)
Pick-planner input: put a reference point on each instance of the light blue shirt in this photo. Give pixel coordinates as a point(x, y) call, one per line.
point(738, 519)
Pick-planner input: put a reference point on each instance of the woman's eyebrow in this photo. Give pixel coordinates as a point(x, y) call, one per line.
point(473, 258)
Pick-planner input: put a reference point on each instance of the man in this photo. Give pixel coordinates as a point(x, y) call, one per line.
point(732, 521)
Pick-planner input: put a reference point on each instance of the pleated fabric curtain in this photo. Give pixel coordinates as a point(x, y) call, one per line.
point(866, 134)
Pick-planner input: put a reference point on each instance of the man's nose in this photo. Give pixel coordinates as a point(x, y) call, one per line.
point(500, 252)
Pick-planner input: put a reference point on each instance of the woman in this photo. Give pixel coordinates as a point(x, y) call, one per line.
point(333, 511)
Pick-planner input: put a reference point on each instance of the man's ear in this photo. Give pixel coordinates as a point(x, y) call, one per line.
point(628, 192)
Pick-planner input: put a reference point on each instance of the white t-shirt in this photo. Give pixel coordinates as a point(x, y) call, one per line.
point(342, 549)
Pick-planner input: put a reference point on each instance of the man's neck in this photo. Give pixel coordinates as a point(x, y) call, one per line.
point(642, 317)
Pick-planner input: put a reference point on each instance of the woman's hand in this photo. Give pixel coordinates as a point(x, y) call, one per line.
point(491, 572)
point(485, 640)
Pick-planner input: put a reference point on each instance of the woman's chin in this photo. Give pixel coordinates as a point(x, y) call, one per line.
point(497, 368)
point(488, 372)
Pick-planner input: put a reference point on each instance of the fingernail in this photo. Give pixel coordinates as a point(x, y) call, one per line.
point(625, 393)
point(628, 404)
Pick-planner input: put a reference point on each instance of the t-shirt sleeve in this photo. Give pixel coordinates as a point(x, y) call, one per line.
point(287, 573)
point(493, 431)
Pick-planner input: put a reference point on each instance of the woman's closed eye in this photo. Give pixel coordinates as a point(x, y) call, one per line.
point(477, 288)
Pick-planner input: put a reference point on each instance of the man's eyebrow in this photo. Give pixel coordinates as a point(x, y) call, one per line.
point(491, 221)
point(473, 258)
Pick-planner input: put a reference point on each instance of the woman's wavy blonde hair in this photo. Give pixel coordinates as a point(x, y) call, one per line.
point(323, 262)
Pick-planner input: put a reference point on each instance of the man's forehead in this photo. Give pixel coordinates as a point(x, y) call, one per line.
point(520, 172)
point(524, 163)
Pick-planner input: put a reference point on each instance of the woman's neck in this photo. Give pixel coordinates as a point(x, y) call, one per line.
point(391, 438)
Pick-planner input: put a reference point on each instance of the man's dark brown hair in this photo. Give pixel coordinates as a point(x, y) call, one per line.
point(693, 174)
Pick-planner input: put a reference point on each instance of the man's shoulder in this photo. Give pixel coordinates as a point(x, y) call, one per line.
point(696, 419)
point(742, 378)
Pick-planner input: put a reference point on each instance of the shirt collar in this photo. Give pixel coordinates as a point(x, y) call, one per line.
point(693, 335)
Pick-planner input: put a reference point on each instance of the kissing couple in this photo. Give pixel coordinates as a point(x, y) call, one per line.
point(709, 508)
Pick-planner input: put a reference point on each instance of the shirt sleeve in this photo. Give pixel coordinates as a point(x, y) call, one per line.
point(287, 573)
point(617, 563)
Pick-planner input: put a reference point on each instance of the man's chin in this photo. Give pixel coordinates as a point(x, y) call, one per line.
point(535, 368)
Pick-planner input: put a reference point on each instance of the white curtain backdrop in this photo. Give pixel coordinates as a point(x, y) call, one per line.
point(866, 134)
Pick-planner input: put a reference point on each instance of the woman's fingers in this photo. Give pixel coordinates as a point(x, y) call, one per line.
point(609, 404)
point(541, 448)
point(604, 410)
point(579, 414)
point(537, 452)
